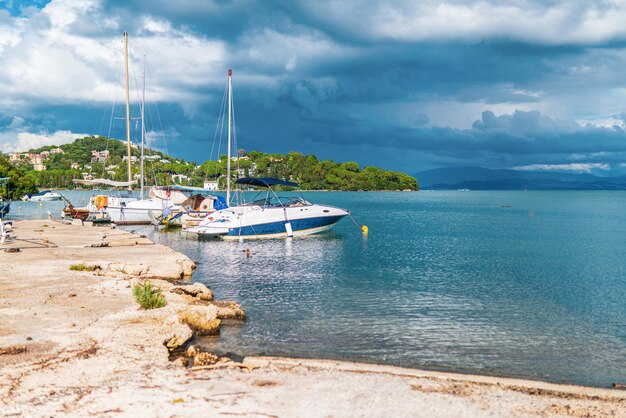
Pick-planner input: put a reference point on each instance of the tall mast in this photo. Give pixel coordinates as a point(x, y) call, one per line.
point(230, 102)
point(127, 110)
point(143, 125)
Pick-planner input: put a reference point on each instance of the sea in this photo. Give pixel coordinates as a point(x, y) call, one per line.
point(528, 284)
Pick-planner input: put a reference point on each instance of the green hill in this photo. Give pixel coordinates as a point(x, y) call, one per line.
point(76, 161)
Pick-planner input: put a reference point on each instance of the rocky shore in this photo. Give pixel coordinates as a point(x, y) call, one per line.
point(76, 343)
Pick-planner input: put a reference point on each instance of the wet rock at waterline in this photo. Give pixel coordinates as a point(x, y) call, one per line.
point(202, 320)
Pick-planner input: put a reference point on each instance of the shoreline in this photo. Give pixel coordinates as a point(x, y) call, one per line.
point(88, 349)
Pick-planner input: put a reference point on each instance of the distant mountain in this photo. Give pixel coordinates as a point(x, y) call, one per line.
point(477, 178)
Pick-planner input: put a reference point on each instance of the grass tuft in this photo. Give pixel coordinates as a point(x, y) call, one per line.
point(83, 267)
point(148, 297)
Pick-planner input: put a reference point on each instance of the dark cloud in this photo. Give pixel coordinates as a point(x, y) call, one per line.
point(308, 80)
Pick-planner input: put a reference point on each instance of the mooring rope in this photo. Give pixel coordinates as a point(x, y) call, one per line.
point(363, 228)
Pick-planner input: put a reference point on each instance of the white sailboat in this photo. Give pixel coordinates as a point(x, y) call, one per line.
point(270, 217)
point(128, 210)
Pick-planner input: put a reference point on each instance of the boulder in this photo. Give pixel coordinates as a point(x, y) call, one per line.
point(201, 319)
point(187, 266)
point(177, 335)
point(205, 359)
point(229, 310)
point(196, 290)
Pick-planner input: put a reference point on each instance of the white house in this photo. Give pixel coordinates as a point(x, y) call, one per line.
point(210, 185)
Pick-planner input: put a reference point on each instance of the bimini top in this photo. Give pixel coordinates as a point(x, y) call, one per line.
point(265, 182)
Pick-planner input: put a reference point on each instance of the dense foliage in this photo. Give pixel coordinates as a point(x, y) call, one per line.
point(313, 174)
point(307, 170)
point(19, 183)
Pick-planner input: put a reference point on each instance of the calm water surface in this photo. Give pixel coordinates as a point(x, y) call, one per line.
point(529, 284)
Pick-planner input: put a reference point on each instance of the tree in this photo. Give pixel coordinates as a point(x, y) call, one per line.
point(19, 182)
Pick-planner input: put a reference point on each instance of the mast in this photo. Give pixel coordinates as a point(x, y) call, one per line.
point(143, 126)
point(230, 102)
point(127, 110)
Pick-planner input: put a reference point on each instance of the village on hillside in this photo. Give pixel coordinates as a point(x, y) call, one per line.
point(100, 157)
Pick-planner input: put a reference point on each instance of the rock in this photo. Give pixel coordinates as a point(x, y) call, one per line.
point(205, 359)
point(187, 266)
point(201, 319)
point(197, 290)
point(192, 350)
point(177, 335)
point(13, 350)
point(229, 310)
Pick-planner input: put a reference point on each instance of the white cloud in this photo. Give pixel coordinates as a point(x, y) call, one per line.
point(579, 167)
point(23, 141)
point(45, 59)
point(602, 122)
point(555, 22)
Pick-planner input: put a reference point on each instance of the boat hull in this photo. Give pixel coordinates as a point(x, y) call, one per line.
point(267, 223)
point(45, 198)
point(137, 212)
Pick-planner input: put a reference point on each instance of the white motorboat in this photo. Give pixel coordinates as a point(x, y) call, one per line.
point(270, 217)
point(43, 196)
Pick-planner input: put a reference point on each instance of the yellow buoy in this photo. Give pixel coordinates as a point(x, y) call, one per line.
point(364, 229)
point(40, 204)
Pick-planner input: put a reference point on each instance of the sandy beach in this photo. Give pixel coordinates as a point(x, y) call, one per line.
point(75, 343)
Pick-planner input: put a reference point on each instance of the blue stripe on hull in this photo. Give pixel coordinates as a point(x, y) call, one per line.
point(279, 227)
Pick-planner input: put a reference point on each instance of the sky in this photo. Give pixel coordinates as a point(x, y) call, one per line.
point(405, 85)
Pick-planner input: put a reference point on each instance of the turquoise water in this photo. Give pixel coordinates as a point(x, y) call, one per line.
point(445, 280)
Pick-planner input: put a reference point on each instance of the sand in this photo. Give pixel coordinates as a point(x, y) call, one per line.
point(75, 343)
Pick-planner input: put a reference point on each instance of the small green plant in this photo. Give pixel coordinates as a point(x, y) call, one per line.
point(148, 297)
point(83, 267)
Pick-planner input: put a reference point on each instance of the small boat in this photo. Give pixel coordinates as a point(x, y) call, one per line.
point(198, 207)
point(191, 211)
point(43, 196)
point(270, 217)
point(87, 213)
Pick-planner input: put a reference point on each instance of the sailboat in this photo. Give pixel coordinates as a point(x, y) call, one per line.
point(270, 217)
point(128, 210)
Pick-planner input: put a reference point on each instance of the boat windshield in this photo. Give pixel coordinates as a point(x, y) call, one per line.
point(278, 202)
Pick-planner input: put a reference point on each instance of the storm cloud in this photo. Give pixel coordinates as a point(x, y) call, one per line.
point(404, 85)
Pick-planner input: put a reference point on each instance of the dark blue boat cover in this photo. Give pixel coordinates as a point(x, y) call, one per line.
point(265, 182)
